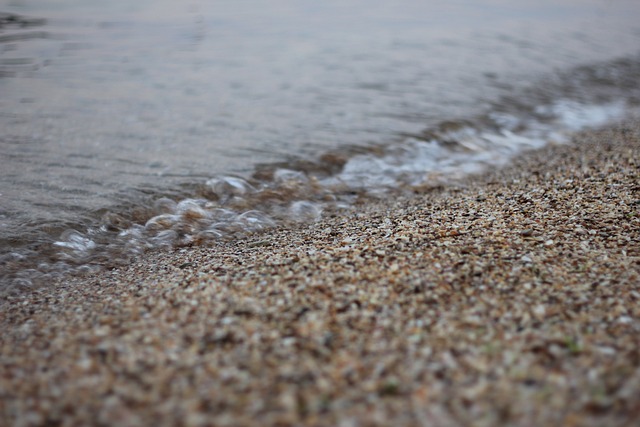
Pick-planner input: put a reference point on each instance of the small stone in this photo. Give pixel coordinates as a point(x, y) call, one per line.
point(526, 258)
point(539, 310)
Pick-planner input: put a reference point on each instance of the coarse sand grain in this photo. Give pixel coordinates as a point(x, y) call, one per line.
point(513, 299)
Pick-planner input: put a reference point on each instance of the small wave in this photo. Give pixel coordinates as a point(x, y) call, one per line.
point(439, 157)
point(230, 207)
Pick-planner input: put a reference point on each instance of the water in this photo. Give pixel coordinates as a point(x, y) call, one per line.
point(129, 126)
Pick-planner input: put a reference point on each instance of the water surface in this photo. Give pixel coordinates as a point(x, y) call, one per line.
point(110, 106)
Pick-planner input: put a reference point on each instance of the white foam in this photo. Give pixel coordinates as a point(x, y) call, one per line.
point(575, 116)
point(416, 162)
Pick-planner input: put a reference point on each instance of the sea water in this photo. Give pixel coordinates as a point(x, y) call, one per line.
point(129, 126)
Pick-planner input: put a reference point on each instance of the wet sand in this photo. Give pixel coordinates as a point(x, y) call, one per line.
point(513, 299)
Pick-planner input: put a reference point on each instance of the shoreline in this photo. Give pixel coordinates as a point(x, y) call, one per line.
point(512, 300)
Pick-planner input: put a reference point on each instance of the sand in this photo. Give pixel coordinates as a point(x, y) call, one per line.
point(513, 299)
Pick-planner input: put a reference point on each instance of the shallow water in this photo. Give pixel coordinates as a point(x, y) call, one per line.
point(115, 113)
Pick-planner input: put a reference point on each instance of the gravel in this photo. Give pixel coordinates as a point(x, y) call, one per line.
point(510, 300)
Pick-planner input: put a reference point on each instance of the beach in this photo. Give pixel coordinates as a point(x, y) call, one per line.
point(511, 298)
point(108, 107)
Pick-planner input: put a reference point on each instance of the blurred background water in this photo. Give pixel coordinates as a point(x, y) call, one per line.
point(109, 106)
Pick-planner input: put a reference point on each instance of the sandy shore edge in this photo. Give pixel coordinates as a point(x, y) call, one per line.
point(513, 300)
